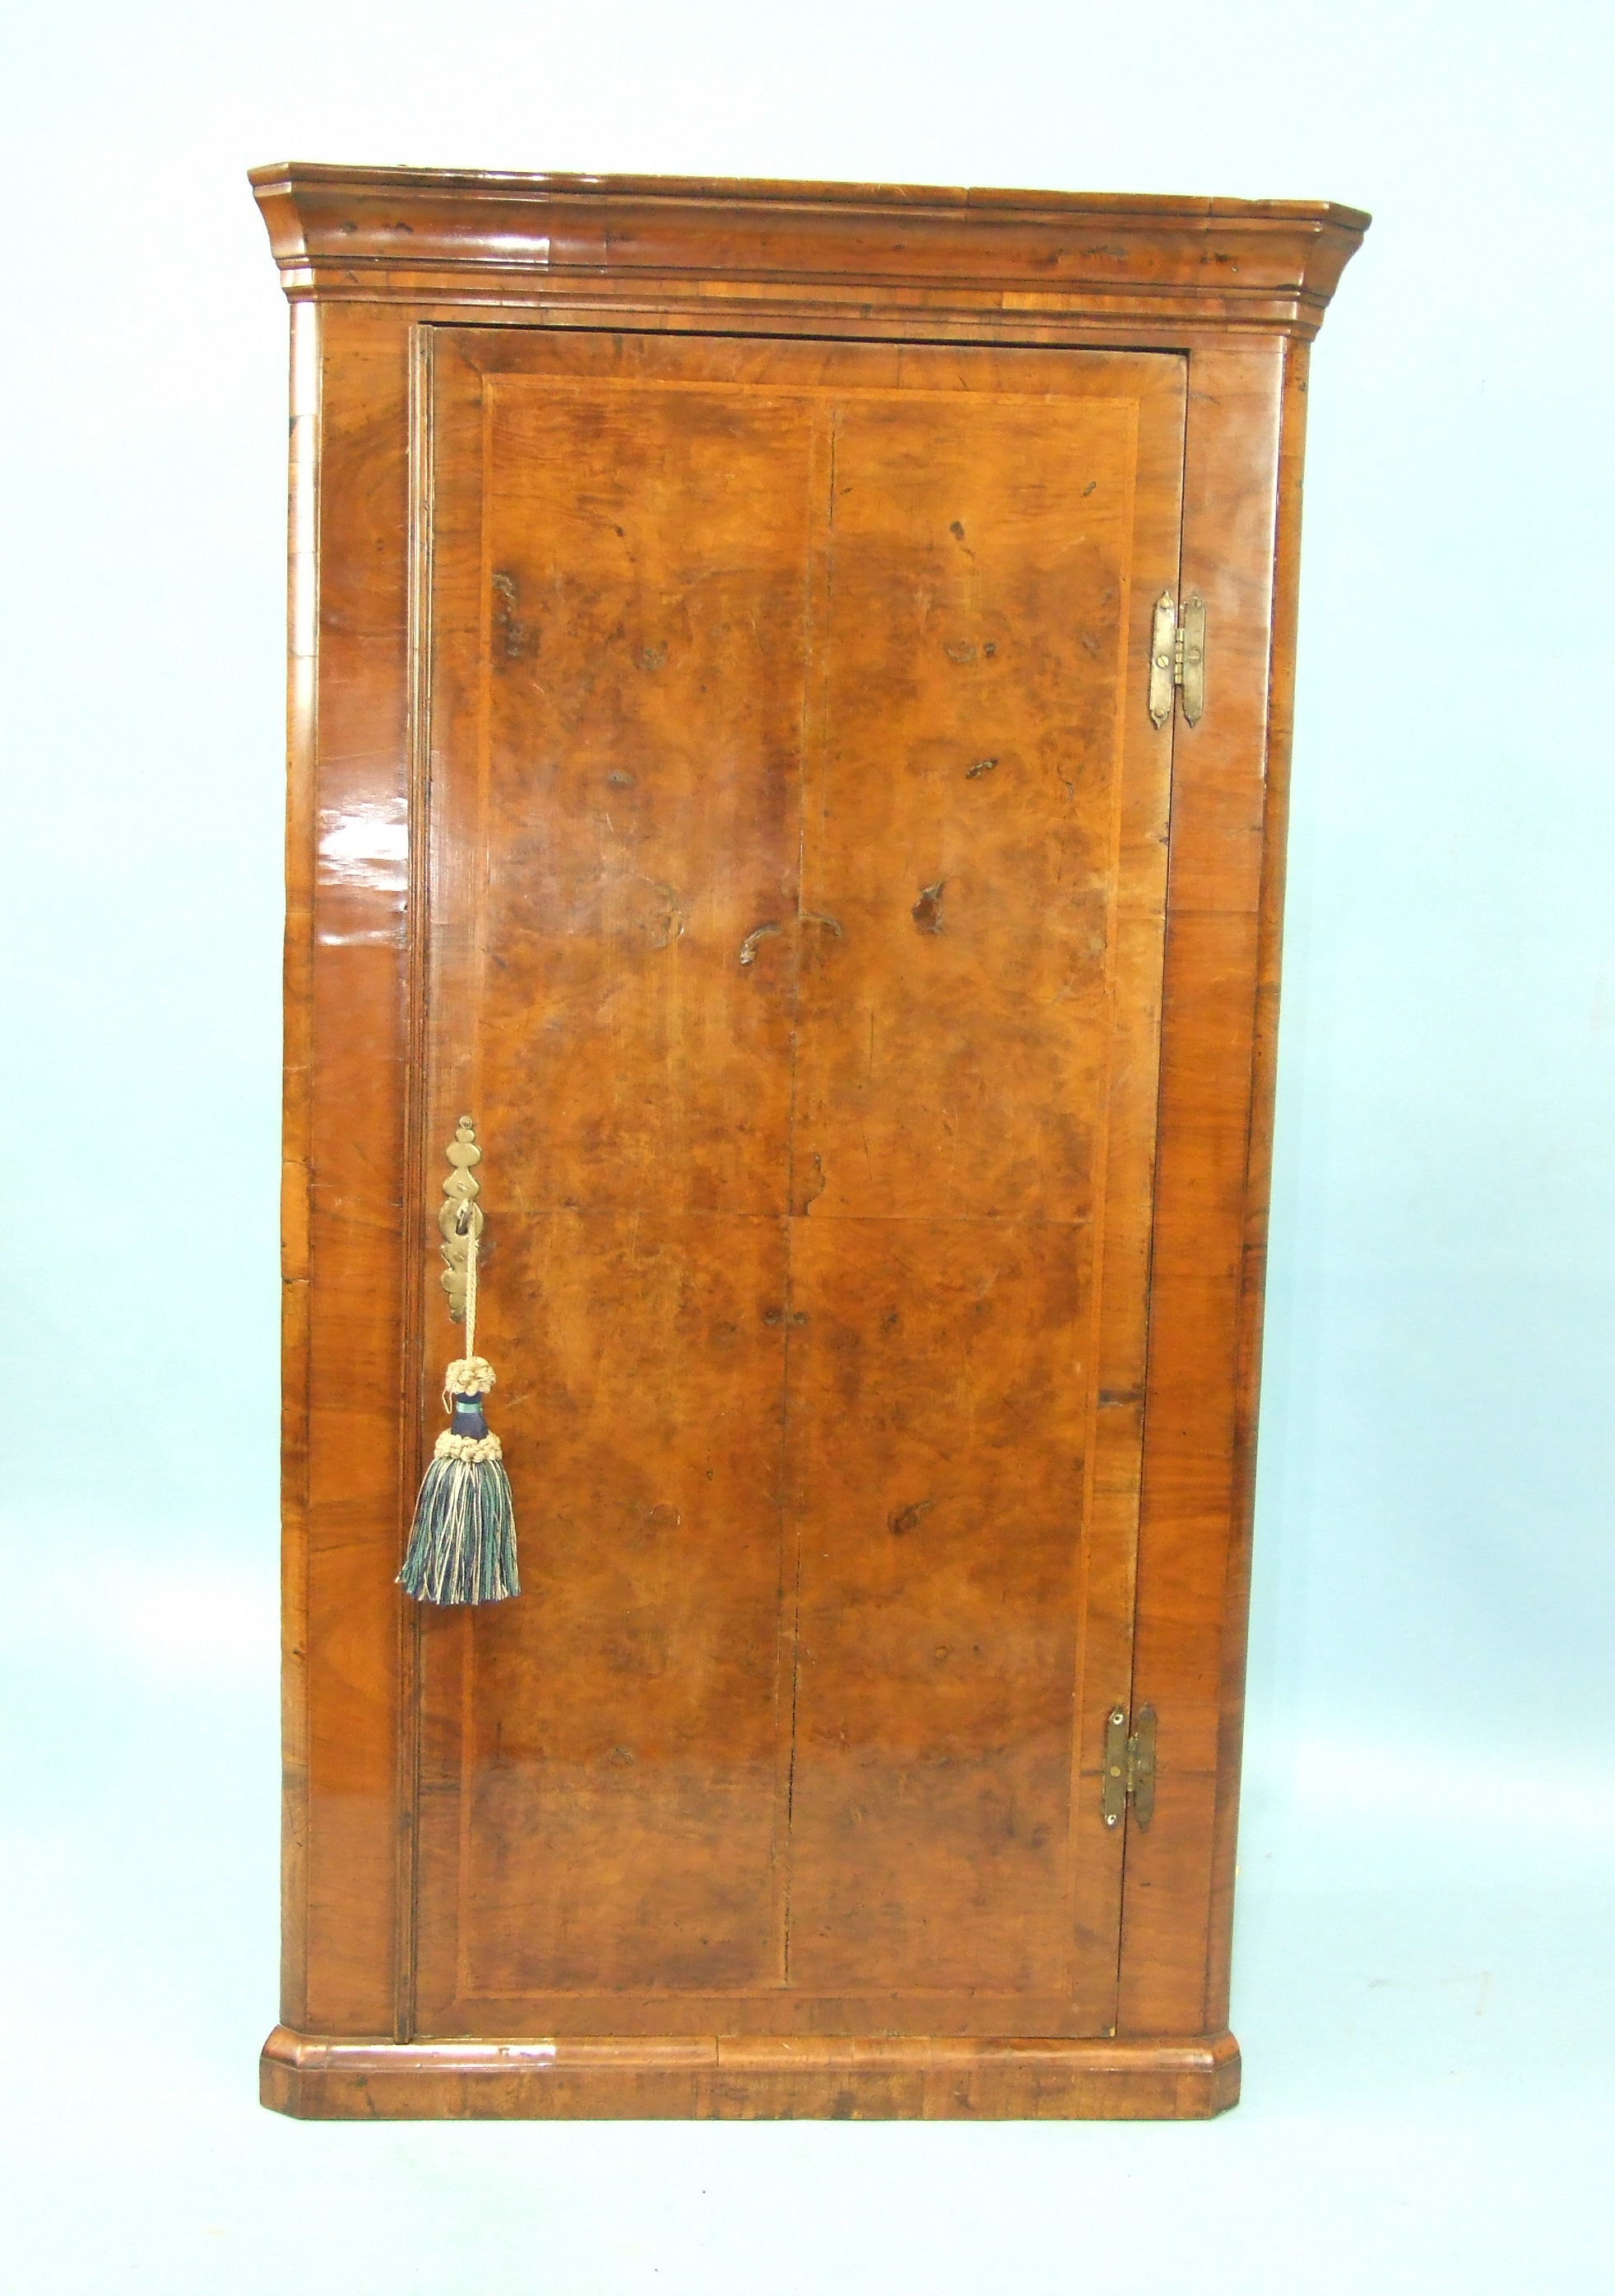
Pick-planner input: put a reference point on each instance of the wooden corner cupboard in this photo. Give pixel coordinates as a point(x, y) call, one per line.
point(789, 704)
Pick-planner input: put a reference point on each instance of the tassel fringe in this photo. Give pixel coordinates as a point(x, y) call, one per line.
point(463, 1542)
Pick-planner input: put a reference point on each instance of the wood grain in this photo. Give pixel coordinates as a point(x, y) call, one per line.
point(795, 1742)
point(706, 2077)
point(347, 931)
point(781, 764)
point(424, 237)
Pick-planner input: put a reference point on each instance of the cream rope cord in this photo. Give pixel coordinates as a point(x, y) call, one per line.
point(468, 1375)
point(471, 1288)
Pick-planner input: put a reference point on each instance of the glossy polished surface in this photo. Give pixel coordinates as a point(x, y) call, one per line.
point(357, 234)
point(797, 914)
point(699, 770)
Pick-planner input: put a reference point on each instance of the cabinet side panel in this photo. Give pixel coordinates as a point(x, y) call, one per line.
point(1190, 1567)
point(348, 1025)
point(1281, 721)
point(302, 594)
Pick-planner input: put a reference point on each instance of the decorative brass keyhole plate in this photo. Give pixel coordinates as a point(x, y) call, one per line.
point(460, 1216)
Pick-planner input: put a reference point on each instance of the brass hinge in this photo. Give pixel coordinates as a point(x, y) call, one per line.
point(1129, 1765)
point(1177, 657)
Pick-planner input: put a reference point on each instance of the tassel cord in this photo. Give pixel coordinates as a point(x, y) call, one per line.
point(472, 1242)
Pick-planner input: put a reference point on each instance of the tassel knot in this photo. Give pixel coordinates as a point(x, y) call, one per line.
point(468, 1376)
point(469, 1448)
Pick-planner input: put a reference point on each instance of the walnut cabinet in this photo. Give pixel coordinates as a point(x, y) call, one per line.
point(789, 704)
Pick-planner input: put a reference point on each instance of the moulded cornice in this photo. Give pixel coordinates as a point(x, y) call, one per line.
point(450, 237)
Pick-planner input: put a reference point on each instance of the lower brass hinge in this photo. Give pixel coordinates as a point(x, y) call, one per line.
point(1129, 1765)
point(1177, 657)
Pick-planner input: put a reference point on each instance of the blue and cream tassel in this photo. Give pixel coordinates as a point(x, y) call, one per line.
point(463, 1541)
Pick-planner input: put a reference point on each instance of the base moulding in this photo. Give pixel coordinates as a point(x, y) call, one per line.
point(705, 2077)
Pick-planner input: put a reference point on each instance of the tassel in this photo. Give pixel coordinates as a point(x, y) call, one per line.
point(462, 1540)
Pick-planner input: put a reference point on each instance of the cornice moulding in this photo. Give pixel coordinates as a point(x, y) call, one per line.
point(426, 235)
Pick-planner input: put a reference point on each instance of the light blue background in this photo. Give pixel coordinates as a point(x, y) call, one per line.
point(1423, 1989)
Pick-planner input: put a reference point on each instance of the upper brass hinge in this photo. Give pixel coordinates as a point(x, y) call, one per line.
point(1129, 1765)
point(1177, 657)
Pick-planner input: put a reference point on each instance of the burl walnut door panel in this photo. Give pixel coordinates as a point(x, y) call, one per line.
point(797, 836)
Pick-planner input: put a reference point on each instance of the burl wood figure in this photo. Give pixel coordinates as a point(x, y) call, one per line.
point(790, 721)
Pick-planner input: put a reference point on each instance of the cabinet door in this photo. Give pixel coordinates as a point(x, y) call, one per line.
point(793, 931)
